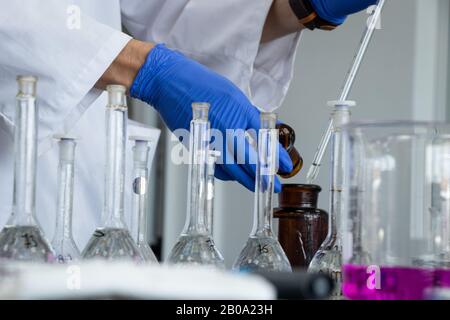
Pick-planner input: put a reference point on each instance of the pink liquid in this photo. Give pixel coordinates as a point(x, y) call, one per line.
point(442, 278)
point(395, 283)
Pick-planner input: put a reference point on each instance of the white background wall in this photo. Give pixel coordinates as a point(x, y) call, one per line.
point(404, 76)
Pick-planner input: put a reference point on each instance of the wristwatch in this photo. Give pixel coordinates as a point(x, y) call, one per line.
point(306, 15)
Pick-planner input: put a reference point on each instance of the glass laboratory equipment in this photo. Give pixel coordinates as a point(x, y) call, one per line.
point(113, 241)
point(262, 251)
point(372, 23)
point(195, 245)
point(302, 227)
point(287, 140)
point(328, 259)
point(140, 196)
point(22, 238)
point(396, 210)
point(66, 250)
point(213, 155)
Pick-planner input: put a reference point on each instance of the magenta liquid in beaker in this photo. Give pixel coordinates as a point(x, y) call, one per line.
point(396, 212)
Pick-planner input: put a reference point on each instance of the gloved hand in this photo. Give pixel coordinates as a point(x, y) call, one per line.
point(171, 82)
point(336, 11)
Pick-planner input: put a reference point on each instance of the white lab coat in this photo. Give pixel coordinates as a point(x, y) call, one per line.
point(41, 37)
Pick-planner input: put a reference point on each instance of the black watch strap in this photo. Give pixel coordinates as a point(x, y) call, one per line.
point(306, 15)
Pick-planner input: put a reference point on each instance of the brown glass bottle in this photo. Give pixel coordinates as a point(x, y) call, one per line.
point(286, 136)
point(302, 227)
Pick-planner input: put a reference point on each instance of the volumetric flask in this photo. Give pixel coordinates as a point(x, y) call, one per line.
point(66, 250)
point(262, 250)
point(396, 210)
point(195, 245)
point(140, 196)
point(22, 238)
point(113, 241)
point(328, 259)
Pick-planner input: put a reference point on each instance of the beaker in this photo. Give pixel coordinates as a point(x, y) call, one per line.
point(396, 210)
point(66, 250)
point(302, 227)
point(195, 245)
point(140, 196)
point(113, 241)
point(22, 238)
point(262, 251)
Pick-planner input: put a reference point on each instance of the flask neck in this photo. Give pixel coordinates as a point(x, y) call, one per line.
point(115, 166)
point(64, 206)
point(265, 176)
point(25, 148)
point(196, 220)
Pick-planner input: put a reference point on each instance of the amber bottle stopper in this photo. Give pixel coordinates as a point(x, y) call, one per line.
point(287, 139)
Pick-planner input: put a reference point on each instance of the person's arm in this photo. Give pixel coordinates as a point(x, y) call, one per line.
point(280, 21)
point(41, 38)
point(171, 82)
point(126, 65)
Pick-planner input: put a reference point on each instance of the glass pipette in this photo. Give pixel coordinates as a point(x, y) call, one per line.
point(348, 84)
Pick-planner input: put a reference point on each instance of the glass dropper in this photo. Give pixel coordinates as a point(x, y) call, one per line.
point(140, 196)
point(213, 155)
point(63, 243)
point(314, 169)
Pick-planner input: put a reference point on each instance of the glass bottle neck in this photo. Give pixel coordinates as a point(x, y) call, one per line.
point(65, 190)
point(25, 141)
point(116, 116)
point(265, 177)
point(196, 222)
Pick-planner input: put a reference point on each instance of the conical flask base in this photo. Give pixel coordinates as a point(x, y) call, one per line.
point(25, 243)
point(112, 244)
point(196, 250)
point(262, 254)
point(66, 251)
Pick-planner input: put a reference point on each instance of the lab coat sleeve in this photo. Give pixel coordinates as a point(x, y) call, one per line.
point(67, 50)
point(223, 35)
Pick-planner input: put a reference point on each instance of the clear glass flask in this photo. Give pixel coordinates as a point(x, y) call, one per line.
point(66, 250)
point(195, 245)
point(113, 241)
point(328, 259)
point(22, 238)
point(396, 210)
point(140, 197)
point(262, 251)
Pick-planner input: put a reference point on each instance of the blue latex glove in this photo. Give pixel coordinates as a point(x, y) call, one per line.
point(336, 11)
point(171, 82)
